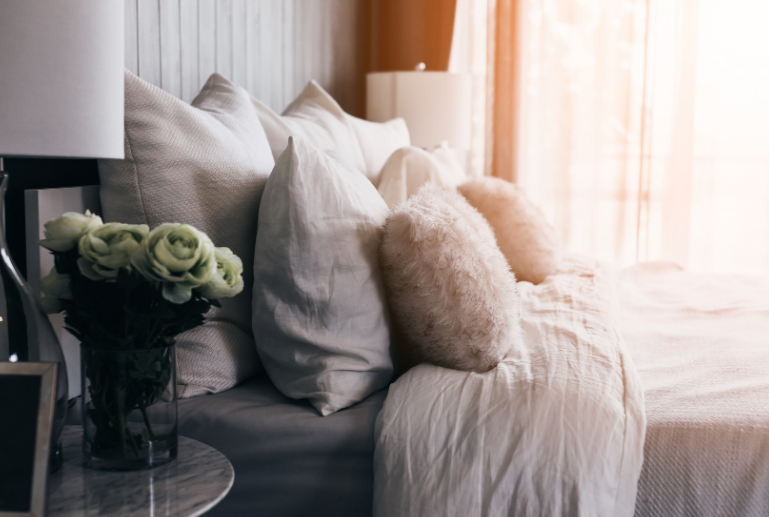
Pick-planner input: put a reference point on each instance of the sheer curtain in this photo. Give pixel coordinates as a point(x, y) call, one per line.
point(644, 128)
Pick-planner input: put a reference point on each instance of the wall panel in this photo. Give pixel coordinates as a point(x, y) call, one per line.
point(270, 47)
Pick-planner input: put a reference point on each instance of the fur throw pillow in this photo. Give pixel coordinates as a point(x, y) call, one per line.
point(527, 240)
point(451, 294)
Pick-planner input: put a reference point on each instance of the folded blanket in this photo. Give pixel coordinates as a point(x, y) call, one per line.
point(557, 429)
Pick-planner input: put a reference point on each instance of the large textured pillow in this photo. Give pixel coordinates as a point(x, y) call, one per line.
point(409, 168)
point(204, 165)
point(451, 294)
point(317, 118)
point(527, 239)
point(320, 315)
point(378, 140)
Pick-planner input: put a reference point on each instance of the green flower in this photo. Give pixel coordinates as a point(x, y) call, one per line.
point(227, 281)
point(63, 233)
point(179, 256)
point(107, 248)
point(54, 287)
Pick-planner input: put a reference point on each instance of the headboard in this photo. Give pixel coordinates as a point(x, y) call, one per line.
point(270, 47)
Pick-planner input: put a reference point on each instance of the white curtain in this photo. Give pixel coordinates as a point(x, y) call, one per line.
point(469, 56)
point(645, 128)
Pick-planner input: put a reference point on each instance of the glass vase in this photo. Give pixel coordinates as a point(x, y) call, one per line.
point(129, 408)
point(26, 333)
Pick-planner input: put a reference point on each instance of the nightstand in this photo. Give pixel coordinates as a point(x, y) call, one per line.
point(191, 485)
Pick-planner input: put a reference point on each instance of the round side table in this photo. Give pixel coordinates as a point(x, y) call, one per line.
point(190, 485)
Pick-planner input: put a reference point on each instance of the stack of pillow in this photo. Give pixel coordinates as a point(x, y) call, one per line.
point(295, 196)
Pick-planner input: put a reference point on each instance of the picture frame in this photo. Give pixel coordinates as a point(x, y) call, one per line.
point(27, 398)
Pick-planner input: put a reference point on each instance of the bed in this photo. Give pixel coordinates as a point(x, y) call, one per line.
point(699, 344)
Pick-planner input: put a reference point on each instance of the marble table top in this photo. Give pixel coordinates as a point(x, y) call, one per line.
point(190, 485)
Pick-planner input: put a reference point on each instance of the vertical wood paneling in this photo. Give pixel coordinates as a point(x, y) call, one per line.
point(288, 74)
point(252, 48)
point(206, 40)
point(267, 52)
point(170, 47)
point(131, 42)
point(271, 47)
point(148, 12)
point(224, 37)
point(297, 65)
point(239, 45)
point(188, 27)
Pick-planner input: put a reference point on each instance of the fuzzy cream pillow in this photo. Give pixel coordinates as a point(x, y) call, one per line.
point(452, 297)
point(527, 240)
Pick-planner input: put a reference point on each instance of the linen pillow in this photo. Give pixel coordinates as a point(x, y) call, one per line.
point(527, 239)
point(451, 295)
point(409, 168)
point(319, 311)
point(318, 119)
point(316, 116)
point(204, 165)
point(378, 140)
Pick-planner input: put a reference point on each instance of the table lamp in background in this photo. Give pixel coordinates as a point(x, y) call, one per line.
point(61, 95)
point(437, 106)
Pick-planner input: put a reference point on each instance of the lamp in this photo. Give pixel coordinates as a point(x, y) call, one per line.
point(61, 95)
point(61, 78)
point(437, 106)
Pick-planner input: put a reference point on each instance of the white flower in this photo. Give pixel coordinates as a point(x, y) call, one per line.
point(179, 256)
point(54, 287)
point(63, 233)
point(104, 250)
point(227, 281)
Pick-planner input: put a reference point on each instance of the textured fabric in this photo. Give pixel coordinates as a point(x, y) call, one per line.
point(557, 429)
point(524, 235)
point(409, 168)
point(319, 313)
point(378, 140)
point(450, 291)
point(701, 346)
point(204, 165)
point(288, 460)
point(318, 119)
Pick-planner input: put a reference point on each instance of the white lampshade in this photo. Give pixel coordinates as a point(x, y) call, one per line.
point(437, 106)
point(61, 78)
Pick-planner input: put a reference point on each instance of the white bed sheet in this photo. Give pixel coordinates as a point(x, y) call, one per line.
point(555, 430)
point(700, 344)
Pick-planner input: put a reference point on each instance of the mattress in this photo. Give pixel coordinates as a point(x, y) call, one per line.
point(700, 344)
point(288, 459)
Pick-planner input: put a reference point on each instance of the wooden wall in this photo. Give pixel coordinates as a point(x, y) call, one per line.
point(270, 47)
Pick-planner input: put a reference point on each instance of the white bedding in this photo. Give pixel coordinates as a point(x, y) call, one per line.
point(556, 429)
point(701, 347)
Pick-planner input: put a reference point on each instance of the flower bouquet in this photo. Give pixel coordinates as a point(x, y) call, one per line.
point(127, 292)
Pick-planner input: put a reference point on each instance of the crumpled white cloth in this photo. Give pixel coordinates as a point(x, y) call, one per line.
point(557, 429)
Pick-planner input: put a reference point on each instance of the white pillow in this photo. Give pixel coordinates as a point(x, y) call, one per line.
point(204, 165)
point(378, 140)
point(409, 168)
point(319, 312)
point(316, 116)
point(318, 119)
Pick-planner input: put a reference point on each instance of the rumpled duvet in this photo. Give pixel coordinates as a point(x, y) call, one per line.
point(557, 429)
